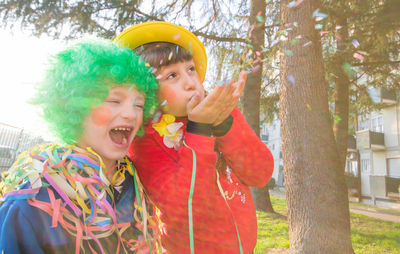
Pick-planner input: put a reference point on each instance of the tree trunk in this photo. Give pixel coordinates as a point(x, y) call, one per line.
point(251, 98)
point(318, 213)
point(341, 93)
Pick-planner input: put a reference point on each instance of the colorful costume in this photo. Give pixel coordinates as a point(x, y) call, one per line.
point(59, 199)
point(64, 202)
point(165, 165)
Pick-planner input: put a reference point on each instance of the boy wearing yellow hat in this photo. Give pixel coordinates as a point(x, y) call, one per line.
point(198, 159)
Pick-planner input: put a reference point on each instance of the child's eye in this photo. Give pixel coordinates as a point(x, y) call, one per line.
point(113, 101)
point(192, 68)
point(140, 106)
point(171, 76)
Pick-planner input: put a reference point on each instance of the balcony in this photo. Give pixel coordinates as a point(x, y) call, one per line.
point(383, 96)
point(370, 140)
point(351, 143)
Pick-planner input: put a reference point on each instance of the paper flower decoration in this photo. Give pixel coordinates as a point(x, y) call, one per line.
point(170, 130)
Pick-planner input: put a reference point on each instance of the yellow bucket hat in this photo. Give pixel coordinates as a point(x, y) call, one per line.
point(160, 31)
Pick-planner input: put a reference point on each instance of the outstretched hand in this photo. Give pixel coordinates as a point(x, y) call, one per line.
point(217, 106)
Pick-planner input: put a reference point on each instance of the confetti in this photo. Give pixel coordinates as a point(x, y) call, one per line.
point(338, 27)
point(291, 79)
point(319, 15)
point(258, 53)
point(294, 41)
point(315, 13)
point(337, 118)
point(287, 52)
point(318, 26)
point(348, 69)
point(294, 3)
point(147, 64)
point(170, 56)
point(338, 37)
point(307, 44)
point(260, 19)
point(308, 106)
point(161, 61)
point(164, 103)
point(154, 70)
point(291, 4)
point(159, 76)
point(156, 117)
point(298, 2)
point(259, 13)
point(358, 56)
point(356, 44)
point(176, 37)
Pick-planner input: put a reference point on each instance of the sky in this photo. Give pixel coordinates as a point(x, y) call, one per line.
point(23, 59)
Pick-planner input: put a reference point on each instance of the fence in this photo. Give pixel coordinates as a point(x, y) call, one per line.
point(14, 140)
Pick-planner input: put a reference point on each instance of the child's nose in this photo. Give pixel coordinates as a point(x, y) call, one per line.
point(130, 112)
point(190, 82)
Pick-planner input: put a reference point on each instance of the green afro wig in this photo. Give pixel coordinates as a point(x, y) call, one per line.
point(80, 77)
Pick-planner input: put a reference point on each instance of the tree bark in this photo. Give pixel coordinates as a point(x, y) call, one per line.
point(251, 98)
point(341, 93)
point(318, 213)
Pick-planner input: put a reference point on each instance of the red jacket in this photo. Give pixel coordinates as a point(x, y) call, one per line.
point(166, 175)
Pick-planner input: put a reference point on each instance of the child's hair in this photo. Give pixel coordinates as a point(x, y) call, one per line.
point(80, 77)
point(159, 54)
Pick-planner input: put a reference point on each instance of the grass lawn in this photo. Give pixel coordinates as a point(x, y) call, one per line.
point(369, 235)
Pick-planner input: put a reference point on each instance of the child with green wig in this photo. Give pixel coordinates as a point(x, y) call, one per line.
point(83, 194)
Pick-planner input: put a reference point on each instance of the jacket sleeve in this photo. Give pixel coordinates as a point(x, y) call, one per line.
point(248, 157)
point(167, 176)
point(17, 234)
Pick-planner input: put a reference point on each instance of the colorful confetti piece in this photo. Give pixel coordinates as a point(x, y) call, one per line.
point(294, 42)
point(260, 19)
point(337, 118)
point(291, 4)
point(358, 56)
point(318, 26)
point(164, 103)
point(287, 52)
point(176, 37)
point(291, 79)
point(348, 69)
point(307, 44)
point(159, 76)
point(356, 44)
point(170, 56)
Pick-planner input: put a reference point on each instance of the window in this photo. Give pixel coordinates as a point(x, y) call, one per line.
point(377, 124)
point(363, 123)
point(365, 167)
point(394, 168)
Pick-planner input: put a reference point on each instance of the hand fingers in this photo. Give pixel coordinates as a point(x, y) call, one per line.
point(241, 83)
point(193, 102)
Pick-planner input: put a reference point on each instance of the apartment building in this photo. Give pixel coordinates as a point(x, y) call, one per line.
point(373, 157)
point(271, 136)
point(378, 148)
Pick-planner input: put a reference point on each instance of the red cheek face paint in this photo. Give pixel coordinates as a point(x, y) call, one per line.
point(167, 94)
point(101, 115)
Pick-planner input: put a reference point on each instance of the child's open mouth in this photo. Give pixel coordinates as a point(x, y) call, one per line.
point(120, 135)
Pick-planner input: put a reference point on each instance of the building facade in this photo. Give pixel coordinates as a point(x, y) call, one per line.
point(373, 158)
